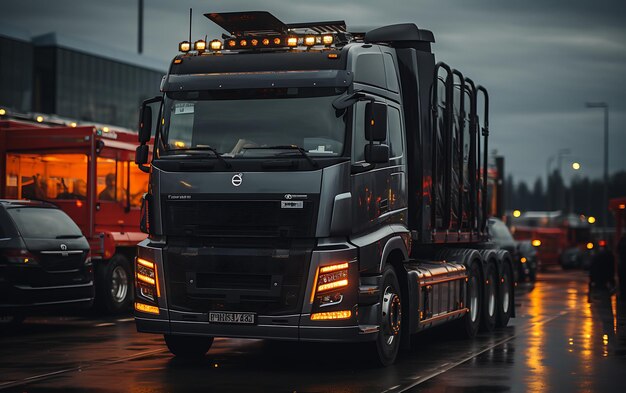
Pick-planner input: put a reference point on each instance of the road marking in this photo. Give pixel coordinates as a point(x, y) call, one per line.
point(12, 384)
point(470, 357)
point(104, 324)
point(126, 320)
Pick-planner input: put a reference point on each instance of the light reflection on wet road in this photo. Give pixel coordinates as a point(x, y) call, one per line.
point(558, 342)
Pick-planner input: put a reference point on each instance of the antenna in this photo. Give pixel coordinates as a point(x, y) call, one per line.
point(190, 14)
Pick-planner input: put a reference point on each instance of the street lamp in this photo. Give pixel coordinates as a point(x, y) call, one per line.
point(605, 196)
point(575, 166)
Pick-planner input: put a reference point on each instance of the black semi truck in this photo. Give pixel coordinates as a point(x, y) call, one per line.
point(313, 183)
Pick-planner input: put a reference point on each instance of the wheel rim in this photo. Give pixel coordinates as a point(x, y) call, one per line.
point(473, 303)
point(391, 316)
point(505, 294)
point(119, 284)
point(492, 296)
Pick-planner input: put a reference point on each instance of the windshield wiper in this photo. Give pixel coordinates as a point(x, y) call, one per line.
point(287, 147)
point(204, 148)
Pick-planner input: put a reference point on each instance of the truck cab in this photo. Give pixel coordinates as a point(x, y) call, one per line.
point(299, 191)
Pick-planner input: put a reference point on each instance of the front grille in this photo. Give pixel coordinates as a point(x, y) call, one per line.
point(266, 278)
point(259, 218)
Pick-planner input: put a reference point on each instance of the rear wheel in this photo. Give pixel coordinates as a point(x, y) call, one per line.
point(188, 347)
point(490, 299)
point(115, 285)
point(388, 340)
point(471, 321)
point(505, 296)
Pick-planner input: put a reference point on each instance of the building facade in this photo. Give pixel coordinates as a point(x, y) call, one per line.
point(58, 75)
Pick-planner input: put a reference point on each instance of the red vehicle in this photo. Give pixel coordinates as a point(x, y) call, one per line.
point(560, 239)
point(88, 172)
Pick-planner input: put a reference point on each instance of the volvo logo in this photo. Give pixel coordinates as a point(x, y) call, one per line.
point(63, 247)
point(237, 179)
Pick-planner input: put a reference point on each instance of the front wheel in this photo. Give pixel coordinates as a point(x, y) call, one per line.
point(188, 347)
point(390, 318)
point(115, 285)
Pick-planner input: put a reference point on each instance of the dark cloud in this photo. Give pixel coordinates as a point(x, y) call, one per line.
point(541, 60)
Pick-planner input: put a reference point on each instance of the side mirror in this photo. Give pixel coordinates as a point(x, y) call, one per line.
point(141, 154)
point(376, 122)
point(376, 154)
point(145, 124)
point(145, 119)
point(141, 158)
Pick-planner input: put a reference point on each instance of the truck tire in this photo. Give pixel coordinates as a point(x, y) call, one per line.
point(505, 296)
point(470, 323)
point(188, 347)
point(114, 285)
point(388, 339)
point(490, 299)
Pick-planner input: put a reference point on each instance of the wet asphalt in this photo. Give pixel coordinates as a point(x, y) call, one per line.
point(561, 341)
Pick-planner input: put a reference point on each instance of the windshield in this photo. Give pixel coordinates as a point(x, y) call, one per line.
point(44, 223)
point(250, 122)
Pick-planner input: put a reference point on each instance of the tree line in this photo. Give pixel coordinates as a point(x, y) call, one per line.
point(582, 196)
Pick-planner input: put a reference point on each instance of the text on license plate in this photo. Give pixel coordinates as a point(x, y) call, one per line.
point(232, 317)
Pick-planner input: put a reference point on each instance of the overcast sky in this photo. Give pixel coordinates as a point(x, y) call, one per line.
point(541, 60)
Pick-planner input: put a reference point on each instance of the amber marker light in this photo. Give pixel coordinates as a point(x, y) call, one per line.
point(178, 61)
point(324, 316)
point(146, 308)
point(200, 46)
point(333, 268)
point(277, 41)
point(591, 220)
point(333, 55)
point(590, 246)
point(523, 260)
point(266, 41)
point(536, 243)
point(232, 43)
point(327, 39)
point(309, 40)
point(243, 43)
point(254, 42)
point(622, 206)
point(145, 263)
point(517, 213)
point(215, 45)
point(292, 41)
point(332, 285)
point(184, 46)
point(145, 279)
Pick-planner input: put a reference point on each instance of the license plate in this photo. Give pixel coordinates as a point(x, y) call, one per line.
point(243, 318)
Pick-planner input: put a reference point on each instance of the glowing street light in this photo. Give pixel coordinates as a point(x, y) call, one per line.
point(517, 213)
point(591, 219)
point(575, 166)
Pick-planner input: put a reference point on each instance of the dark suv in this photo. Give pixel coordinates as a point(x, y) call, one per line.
point(44, 260)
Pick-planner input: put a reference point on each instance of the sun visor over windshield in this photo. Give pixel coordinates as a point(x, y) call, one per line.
point(258, 80)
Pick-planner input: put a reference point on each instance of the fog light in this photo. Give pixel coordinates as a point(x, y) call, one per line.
point(321, 316)
point(146, 308)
